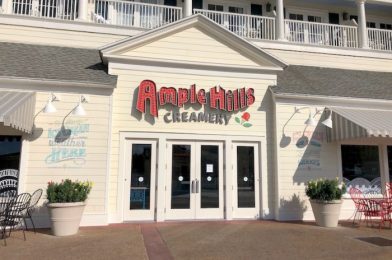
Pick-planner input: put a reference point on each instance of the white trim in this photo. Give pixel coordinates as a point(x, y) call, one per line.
point(188, 64)
point(304, 48)
point(29, 82)
point(53, 85)
point(330, 101)
point(23, 164)
point(108, 158)
point(266, 75)
point(77, 26)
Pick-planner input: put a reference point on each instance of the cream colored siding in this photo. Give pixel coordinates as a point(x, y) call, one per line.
point(291, 175)
point(332, 60)
point(186, 47)
point(93, 130)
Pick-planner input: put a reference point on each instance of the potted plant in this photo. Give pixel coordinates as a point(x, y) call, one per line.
point(66, 202)
point(326, 199)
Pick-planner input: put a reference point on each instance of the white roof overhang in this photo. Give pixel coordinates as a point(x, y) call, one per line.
point(17, 110)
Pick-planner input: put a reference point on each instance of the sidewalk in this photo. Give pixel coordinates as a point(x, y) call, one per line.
point(202, 240)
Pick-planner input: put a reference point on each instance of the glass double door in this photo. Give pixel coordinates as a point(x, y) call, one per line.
point(194, 187)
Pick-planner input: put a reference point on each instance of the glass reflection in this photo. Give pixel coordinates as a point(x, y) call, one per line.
point(209, 176)
point(245, 177)
point(140, 177)
point(181, 174)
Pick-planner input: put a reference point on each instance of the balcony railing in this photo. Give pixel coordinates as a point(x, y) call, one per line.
point(54, 9)
point(125, 13)
point(321, 34)
point(149, 16)
point(380, 39)
point(114, 12)
point(248, 26)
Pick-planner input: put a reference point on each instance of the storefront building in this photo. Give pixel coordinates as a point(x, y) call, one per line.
point(188, 122)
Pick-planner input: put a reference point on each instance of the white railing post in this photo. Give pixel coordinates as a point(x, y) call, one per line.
point(363, 36)
point(280, 35)
point(187, 8)
point(136, 16)
point(83, 7)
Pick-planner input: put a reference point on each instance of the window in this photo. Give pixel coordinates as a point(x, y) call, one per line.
point(9, 162)
point(390, 162)
point(236, 10)
point(315, 19)
point(370, 24)
point(297, 17)
point(361, 168)
point(355, 17)
point(385, 26)
point(218, 8)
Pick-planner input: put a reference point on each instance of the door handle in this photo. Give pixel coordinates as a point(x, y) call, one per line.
point(197, 186)
point(193, 187)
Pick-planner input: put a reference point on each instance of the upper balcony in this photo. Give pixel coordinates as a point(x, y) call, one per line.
point(300, 25)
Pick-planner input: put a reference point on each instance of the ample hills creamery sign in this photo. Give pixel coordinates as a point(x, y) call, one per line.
point(224, 102)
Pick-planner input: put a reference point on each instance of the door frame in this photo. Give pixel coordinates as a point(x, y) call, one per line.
point(247, 213)
point(116, 203)
point(139, 215)
point(195, 212)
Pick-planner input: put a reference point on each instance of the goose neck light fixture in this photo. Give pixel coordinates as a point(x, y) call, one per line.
point(79, 110)
point(328, 122)
point(49, 107)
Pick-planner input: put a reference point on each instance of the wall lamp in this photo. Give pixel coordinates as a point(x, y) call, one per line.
point(49, 107)
point(79, 109)
point(311, 121)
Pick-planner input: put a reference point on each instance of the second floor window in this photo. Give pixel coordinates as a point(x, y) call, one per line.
point(218, 8)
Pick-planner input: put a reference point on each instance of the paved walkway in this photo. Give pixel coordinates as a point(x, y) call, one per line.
point(202, 240)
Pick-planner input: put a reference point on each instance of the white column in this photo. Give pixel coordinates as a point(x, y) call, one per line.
point(83, 6)
point(187, 8)
point(362, 29)
point(7, 6)
point(279, 20)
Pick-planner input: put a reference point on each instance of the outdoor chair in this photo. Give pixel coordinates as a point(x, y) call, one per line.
point(35, 197)
point(13, 216)
point(358, 199)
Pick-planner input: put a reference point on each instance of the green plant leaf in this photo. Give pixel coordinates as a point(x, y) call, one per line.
point(247, 125)
point(238, 120)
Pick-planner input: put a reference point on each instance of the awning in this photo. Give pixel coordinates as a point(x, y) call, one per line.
point(353, 123)
point(17, 110)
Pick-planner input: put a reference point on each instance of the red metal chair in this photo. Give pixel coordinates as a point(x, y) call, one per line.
point(358, 199)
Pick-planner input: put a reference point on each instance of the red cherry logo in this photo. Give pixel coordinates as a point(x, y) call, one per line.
point(246, 116)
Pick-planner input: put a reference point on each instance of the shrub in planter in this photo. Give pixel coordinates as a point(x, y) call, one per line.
point(66, 202)
point(326, 198)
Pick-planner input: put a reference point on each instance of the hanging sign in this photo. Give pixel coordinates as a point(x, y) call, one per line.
point(216, 98)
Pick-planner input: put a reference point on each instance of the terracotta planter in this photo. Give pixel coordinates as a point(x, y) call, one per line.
point(326, 213)
point(65, 217)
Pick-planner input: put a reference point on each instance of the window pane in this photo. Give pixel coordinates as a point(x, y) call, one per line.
point(209, 176)
point(390, 162)
point(140, 176)
point(361, 168)
point(181, 177)
point(9, 162)
point(245, 177)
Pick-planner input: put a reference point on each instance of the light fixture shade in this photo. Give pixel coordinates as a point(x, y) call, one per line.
point(79, 110)
point(328, 122)
point(49, 108)
point(310, 121)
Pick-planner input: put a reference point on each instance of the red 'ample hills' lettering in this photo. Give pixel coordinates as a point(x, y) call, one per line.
point(147, 91)
point(216, 96)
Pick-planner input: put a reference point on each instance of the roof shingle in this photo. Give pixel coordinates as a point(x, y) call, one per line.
point(304, 80)
point(53, 63)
